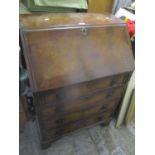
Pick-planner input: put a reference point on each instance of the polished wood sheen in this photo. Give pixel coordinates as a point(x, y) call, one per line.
point(63, 56)
point(78, 65)
point(47, 21)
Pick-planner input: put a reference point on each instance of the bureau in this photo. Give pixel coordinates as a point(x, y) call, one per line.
point(78, 67)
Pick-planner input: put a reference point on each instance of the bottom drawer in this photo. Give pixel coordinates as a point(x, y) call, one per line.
point(59, 120)
point(54, 133)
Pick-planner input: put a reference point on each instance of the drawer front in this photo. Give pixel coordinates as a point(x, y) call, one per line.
point(75, 116)
point(56, 108)
point(81, 90)
point(86, 122)
point(64, 118)
point(92, 99)
point(75, 92)
point(53, 133)
point(60, 120)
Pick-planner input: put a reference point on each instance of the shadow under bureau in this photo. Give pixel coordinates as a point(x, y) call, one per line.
point(78, 67)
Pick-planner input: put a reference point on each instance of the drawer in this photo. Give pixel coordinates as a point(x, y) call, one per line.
point(75, 116)
point(63, 118)
point(87, 122)
point(92, 100)
point(79, 104)
point(53, 133)
point(84, 89)
point(59, 121)
point(102, 107)
point(57, 108)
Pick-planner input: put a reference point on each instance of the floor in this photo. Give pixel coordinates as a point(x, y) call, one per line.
point(96, 140)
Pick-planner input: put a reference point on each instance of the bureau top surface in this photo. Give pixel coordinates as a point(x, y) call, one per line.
point(68, 19)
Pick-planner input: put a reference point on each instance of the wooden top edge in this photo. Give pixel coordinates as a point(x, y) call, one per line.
point(48, 20)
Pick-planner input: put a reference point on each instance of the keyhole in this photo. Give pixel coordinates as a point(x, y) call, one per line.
point(84, 31)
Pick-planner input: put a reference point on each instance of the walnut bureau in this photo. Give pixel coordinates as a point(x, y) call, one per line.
point(78, 68)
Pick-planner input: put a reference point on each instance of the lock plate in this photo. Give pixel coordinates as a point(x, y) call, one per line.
point(84, 31)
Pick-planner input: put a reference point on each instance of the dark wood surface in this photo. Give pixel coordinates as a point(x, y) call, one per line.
point(78, 65)
point(59, 114)
point(48, 20)
point(61, 57)
point(61, 106)
point(49, 133)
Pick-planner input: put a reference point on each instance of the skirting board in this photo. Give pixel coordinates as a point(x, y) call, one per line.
point(126, 101)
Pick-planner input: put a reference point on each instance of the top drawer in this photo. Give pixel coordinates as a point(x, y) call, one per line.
point(84, 89)
point(47, 104)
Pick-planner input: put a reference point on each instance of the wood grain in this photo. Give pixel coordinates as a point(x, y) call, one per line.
point(78, 65)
